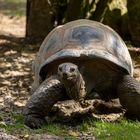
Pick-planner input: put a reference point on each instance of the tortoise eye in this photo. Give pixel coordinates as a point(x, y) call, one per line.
point(72, 69)
point(60, 68)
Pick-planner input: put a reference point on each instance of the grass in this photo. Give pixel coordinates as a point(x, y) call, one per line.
point(123, 130)
point(13, 7)
point(18, 128)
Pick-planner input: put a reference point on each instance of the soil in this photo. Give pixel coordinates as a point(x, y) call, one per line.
point(15, 61)
point(16, 58)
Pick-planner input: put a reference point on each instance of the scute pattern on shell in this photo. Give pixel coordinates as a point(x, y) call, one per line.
point(82, 39)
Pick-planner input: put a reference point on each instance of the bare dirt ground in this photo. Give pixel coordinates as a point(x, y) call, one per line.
point(14, 58)
point(15, 65)
point(15, 69)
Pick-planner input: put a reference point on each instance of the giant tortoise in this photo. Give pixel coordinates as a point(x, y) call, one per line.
point(77, 60)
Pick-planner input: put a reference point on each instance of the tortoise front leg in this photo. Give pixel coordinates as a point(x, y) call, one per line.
point(41, 102)
point(129, 94)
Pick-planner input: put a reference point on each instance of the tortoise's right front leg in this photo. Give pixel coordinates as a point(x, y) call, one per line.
point(41, 102)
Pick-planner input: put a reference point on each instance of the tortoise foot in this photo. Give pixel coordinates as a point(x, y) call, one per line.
point(129, 95)
point(34, 122)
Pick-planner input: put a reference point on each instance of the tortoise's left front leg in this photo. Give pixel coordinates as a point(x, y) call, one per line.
point(41, 102)
point(129, 94)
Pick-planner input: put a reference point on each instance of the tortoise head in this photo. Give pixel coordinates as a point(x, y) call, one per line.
point(68, 72)
point(72, 79)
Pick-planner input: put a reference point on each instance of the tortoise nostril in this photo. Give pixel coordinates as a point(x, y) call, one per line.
point(65, 74)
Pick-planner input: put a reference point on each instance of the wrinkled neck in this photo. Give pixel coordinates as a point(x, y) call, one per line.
point(75, 88)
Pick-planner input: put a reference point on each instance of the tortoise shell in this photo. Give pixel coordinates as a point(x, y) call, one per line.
point(81, 40)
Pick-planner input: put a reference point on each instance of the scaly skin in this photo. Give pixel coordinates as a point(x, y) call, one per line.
point(73, 81)
point(41, 102)
point(129, 94)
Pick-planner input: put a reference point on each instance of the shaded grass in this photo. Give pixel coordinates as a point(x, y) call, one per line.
point(18, 128)
point(122, 130)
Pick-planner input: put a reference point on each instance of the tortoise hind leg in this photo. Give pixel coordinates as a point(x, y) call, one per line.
point(129, 94)
point(41, 102)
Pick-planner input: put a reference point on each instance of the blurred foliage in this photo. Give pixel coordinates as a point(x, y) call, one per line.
point(121, 15)
point(13, 7)
point(110, 12)
point(134, 20)
point(118, 14)
point(89, 9)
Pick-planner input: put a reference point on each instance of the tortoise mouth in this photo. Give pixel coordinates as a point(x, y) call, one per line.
point(70, 78)
point(67, 77)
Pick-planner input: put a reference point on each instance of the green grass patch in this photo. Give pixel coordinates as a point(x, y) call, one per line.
point(122, 130)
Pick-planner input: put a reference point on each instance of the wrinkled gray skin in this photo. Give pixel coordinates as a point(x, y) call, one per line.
point(80, 79)
point(71, 78)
